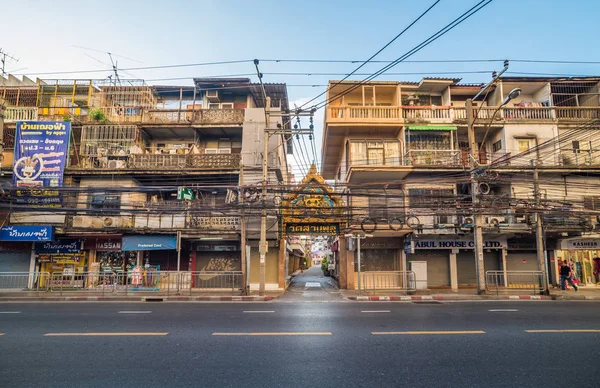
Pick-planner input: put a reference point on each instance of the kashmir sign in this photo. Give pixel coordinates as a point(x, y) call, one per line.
point(583, 243)
point(41, 150)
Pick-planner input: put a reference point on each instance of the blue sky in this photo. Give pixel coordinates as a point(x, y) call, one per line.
point(172, 32)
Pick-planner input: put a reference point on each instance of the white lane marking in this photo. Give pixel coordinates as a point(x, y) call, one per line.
point(135, 312)
point(502, 310)
point(10, 312)
point(375, 311)
point(312, 285)
point(257, 311)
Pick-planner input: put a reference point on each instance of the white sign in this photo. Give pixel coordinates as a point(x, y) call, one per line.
point(458, 244)
point(584, 243)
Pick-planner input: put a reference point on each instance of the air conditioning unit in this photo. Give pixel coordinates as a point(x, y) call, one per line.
point(112, 222)
point(212, 95)
point(116, 164)
point(493, 221)
point(82, 222)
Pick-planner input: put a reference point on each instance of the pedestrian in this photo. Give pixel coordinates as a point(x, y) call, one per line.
point(566, 275)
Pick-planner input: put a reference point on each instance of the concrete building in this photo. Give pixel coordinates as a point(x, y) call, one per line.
point(149, 164)
point(402, 151)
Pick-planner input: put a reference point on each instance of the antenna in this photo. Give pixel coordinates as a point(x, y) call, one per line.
point(3, 56)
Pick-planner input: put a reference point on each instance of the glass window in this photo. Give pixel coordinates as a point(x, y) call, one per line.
point(523, 145)
point(497, 146)
point(358, 153)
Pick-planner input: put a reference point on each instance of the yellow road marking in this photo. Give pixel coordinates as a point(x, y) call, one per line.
point(564, 331)
point(274, 333)
point(427, 332)
point(108, 334)
point(1, 333)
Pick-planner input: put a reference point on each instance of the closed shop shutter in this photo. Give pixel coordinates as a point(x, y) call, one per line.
point(219, 261)
point(465, 266)
point(378, 260)
point(14, 261)
point(521, 261)
point(438, 266)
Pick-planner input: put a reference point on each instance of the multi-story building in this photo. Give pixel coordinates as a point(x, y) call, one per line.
point(152, 175)
point(401, 150)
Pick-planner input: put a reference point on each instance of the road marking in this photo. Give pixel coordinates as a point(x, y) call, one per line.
point(502, 310)
point(107, 334)
point(10, 312)
point(258, 311)
point(312, 285)
point(375, 311)
point(427, 332)
point(288, 333)
point(564, 331)
point(1, 334)
point(135, 312)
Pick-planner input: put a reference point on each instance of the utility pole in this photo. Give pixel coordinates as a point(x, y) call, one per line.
point(539, 230)
point(263, 247)
point(1, 130)
point(477, 217)
point(3, 56)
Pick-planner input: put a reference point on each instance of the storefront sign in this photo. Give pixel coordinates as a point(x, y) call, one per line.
point(522, 246)
point(217, 248)
point(333, 229)
point(381, 243)
point(149, 243)
point(58, 247)
point(41, 150)
point(63, 258)
point(459, 244)
point(583, 243)
point(102, 245)
point(409, 247)
point(26, 233)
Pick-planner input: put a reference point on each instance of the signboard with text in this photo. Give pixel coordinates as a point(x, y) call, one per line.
point(26, 233)
point(41, 150)
point(332, 229)
point(149, 242)
point(458, 244)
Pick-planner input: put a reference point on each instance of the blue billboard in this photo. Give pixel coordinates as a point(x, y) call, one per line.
point(41, 150)
point(148, 242)
point(26, 233)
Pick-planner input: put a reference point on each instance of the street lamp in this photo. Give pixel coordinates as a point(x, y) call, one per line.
point(516, 92)
point(358, 238)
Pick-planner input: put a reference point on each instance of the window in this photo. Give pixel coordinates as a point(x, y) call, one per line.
point(227, 105)
point(213, 106)
point(591, 203)
point(576, 146)
point(431, 198)
point(105, 201)
point(523, 145)
point(497, 146)
point(375, 152)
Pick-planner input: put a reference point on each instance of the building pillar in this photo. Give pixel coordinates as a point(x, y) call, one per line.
point(453, 270)
point(554, 274)
point(31, 279)
point(282, 248)
point(342, 255)
point(504, 253)
point(351, 282)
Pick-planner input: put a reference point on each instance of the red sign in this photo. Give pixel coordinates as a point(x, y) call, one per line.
point(103, 244)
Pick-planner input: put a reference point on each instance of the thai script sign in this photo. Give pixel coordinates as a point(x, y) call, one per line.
point(26, 233)
point(333, 229)
point(41, 150)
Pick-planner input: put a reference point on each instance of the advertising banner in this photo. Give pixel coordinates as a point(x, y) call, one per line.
point(149, 242)
point(41, 150)
point(26, 233)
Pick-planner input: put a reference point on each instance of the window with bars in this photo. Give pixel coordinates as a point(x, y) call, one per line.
point(591, 202)
point(431, 198)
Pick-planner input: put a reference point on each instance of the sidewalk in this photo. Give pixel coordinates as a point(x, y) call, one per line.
point(141, 297)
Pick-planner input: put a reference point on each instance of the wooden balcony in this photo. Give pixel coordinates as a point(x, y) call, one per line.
point(160, 162)
point(359, 114)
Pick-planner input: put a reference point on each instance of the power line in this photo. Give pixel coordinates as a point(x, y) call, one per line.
point(377, 53)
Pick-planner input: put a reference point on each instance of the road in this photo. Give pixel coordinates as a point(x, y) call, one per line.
point(258, 344)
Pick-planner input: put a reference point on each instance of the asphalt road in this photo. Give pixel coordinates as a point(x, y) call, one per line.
point(207, 344)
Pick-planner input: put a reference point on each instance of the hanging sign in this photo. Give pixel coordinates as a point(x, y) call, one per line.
point(186, 194)
point(41, 150)
point(333, 229)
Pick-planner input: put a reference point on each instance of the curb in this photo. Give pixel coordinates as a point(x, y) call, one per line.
point(450, 297)
point(142, 299)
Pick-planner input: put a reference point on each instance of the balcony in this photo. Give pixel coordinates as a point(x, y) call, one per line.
point(175, 218)
point(358, 114)
point(176, 116)
point(442, 114)
point(434, 158)
point(161, 162)
point(577, 113)
point(14, 114)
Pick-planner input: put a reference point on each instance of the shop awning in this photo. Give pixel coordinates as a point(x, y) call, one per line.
point(432, 127)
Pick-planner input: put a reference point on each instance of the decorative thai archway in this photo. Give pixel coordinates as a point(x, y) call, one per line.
point(312, 208)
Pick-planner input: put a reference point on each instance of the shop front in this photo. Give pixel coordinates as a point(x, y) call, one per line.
point(16, 244)
point(450, 263)
point(61, 258)
point(583, 256)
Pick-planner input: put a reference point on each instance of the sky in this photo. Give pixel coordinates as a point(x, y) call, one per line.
point(48, 36)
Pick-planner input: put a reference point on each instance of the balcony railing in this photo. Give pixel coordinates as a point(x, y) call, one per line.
point(12, 114)
point(365, 113)
point(577, 113)
point(168, 219)
point(162, 162)
point(198, 116)
point(534, 113)
point(433, 158)
point(428, 113)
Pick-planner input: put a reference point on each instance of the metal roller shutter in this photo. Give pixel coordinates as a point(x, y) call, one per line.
point(514, 261)
point(14, 261)
point(465, 266)
point(438, 266)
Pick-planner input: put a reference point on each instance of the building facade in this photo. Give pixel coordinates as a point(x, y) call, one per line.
point(400, 151)
point(154, 176)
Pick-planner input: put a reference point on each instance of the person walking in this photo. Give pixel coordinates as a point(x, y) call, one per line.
point(566, 275)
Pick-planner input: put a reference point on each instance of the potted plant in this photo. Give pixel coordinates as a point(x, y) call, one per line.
point(324, 267)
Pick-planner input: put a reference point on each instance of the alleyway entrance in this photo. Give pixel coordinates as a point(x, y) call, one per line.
point(312, 285)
